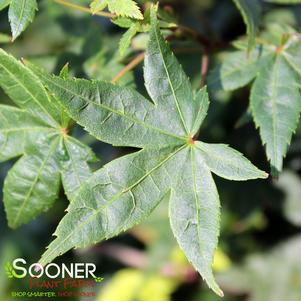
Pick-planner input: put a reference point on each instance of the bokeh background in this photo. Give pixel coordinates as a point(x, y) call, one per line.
point(259, 253)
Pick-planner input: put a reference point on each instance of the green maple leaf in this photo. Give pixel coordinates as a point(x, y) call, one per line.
point(170, 165)
point(275, 100)
point(37, 129)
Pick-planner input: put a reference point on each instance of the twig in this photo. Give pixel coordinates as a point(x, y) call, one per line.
point(84, 9)
point(140, 57)
point(131, 65)
point(205, 67)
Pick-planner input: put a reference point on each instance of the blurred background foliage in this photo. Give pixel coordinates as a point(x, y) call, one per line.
point(258, 258)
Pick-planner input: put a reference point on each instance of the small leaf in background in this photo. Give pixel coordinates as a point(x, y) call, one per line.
point(124, 8)
point(21, 13)
point(250, 11)
point(127, 8)
point(275, 105)
point(133, 27)
point(98, 5)
point(275, 99)
point(64, 73)
point(236, 70)
point(126, 39)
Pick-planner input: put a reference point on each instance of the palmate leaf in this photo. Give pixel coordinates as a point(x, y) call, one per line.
point(170, 165)
point(250, 11)
point(275, 100)
point(37, 130)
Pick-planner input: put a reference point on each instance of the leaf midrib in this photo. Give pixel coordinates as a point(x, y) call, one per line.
point(193, 171)
point(171, 85)
point(20, 16)
point(113, 199)
point(25, 129)
point(274, 107)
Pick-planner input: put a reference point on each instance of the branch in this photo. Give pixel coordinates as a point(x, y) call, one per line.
point(131, 65)
point(205, 67)
point(140, 57)
point(84, 9)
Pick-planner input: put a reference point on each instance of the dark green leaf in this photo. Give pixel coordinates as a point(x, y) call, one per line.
point(275, 105)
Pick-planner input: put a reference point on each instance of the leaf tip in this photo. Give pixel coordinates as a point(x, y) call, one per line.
point(265, 175)
point(221, 293)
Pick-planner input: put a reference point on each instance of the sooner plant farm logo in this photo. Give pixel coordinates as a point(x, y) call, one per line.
point(64, 280)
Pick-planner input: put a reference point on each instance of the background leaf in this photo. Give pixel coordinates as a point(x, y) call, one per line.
point(250, 11)
point(275, 105)
point(21, 13)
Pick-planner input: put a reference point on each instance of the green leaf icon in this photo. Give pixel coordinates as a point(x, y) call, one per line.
point(9, 270)
point(98, 279)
